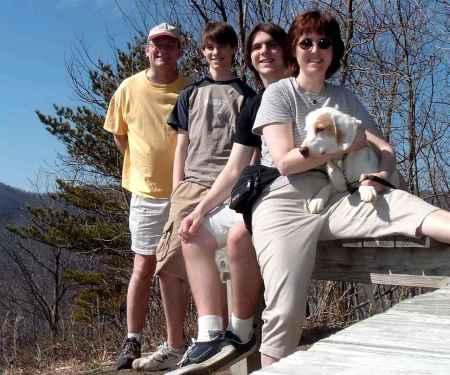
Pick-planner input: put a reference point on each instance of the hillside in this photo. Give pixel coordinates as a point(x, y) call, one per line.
point(13, 202)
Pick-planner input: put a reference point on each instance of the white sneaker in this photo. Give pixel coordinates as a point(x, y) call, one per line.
point(165, 358)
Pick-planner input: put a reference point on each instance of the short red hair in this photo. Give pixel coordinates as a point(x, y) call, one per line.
point(320, 23)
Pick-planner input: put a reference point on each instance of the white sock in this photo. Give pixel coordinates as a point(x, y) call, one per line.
point(242, 328)
point(137, 336)
point(208, 325)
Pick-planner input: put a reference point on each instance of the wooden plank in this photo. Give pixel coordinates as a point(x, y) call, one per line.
point(409, 266)
point(413, 337)
point(393, 260)
point(387, 241)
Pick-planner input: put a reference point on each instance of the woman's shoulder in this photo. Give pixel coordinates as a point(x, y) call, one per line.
point(288, 82)
point(284, 85)
point(339, 90)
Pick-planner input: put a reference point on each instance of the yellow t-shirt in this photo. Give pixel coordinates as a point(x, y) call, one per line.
point(140, 109)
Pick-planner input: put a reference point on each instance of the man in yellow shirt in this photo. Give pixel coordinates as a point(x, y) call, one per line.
point(137, 118)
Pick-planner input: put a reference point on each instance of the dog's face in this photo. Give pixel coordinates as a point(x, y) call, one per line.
point(328, 130)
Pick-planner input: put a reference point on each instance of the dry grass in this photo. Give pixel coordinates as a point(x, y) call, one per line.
point(91, 349)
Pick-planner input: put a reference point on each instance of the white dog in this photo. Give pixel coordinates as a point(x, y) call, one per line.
point(329, 130)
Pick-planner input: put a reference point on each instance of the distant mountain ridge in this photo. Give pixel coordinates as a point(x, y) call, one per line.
point(13, 202)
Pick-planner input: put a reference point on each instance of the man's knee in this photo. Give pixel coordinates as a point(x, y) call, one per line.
point(202, 245)
point(144, 267)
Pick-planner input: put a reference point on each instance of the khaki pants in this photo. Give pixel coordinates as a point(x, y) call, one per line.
point(285, 236)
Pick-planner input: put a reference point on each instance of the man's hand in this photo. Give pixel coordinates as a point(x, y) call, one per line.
point(190, 225)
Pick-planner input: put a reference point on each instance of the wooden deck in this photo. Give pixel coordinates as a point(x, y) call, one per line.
point(411, 338)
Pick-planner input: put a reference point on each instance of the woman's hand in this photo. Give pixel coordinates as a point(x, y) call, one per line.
point(359, 142)
point(380, 188)
point(189, 226)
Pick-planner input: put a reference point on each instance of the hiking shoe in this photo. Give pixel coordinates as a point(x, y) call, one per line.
point(131, 349)
point(207, 357)
point(165, 358)
point(242, 350)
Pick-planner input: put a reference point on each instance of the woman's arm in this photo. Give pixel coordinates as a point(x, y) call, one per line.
point(286, 157)
point(386, 159)
point(180, 158)
point(239, 158)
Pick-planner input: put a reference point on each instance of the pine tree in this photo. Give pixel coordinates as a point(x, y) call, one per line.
point(88, 215)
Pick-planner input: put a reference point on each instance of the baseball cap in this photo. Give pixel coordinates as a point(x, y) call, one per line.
point(164, 29)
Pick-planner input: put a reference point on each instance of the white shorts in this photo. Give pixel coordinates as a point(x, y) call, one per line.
point(147, 219)
point(219, 222)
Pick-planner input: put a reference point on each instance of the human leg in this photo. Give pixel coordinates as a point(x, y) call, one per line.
point(436, 225)
point(175, 298)
point(173, 281)
point(214, 348)
point(199, 254)
point(246, 282)
point(246, 279)
point(147, 217)
point(394, 212)
point(285, 237)
point(175, 295)
point(138, 291)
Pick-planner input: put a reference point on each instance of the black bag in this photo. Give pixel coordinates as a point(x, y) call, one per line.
point(249, 186)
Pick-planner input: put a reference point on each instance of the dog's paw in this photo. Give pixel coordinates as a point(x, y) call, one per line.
point(367, 193)
point(316, 205)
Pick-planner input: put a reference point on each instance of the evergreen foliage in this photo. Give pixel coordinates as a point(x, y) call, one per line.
point(89, 214)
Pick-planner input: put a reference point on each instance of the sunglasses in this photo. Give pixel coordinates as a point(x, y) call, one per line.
point(307, 43)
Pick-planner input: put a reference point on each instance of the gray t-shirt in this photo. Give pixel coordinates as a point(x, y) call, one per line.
point(208, 111)
point(286, 102)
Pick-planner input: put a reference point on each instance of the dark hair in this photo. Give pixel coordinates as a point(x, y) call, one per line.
point(220, 33)
point(278, 35)
point(321, 23)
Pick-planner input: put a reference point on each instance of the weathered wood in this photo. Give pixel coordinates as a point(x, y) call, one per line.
point(413, 337)
point(393, 260)
point(385, 263)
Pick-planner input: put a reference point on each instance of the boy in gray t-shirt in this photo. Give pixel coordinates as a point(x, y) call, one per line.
point(205, 117)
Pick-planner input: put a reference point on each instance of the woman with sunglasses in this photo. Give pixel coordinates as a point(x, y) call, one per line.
point(285, 232)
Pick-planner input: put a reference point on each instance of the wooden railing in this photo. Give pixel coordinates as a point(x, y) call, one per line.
point(389, 260)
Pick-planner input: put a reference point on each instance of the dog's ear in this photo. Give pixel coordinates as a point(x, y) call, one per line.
point(345, 130)
point(324, 123)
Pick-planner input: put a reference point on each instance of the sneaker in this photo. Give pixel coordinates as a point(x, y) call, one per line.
point(165, 358)
point(242, 350)
point(206, 357)
point(131, 349)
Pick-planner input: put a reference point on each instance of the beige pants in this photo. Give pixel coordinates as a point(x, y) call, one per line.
point(285, 236)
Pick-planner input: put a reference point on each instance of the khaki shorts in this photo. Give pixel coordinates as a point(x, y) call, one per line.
point(146, 221)
point(186, 196)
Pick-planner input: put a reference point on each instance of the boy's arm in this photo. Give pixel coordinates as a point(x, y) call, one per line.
point(121, 142)
point(180, 157)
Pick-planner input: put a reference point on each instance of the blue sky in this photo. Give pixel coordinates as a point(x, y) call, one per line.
point(38, 37)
